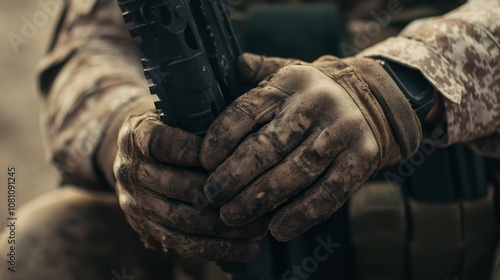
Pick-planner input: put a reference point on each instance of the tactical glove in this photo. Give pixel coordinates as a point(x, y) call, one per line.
point(160, 189)
point(304, 140)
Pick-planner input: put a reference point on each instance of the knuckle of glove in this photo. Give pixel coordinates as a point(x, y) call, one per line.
point(143, 175)
point(294, 78)
point(129, 168)
point(321, 100)
point(125, 175)
point(121, 169)
point(135, 135)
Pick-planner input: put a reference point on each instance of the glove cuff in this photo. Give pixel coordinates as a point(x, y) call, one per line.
point(404, 123)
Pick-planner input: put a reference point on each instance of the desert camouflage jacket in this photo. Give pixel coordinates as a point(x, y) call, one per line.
point(459, 53)
point(92, 71)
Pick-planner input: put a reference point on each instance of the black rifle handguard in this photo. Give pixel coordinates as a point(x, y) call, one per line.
point(190, 57)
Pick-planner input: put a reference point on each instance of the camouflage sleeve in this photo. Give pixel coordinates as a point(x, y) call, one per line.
point(459, 53)
point(90, 74)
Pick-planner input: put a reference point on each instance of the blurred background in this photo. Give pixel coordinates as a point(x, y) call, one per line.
point(21, 144)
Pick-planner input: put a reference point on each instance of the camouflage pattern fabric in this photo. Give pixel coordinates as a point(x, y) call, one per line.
point(90, 73)
point(459, 53)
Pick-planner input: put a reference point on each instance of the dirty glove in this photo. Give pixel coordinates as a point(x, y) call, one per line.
point(160, 189)
point(305, 139)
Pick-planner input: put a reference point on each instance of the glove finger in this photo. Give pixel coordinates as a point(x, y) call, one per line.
point(257, 153)
point(254, 68)
point(166, 144)
point(187, 218)
point(296, 172)
point(322, 199)
point(174, 182)
point(244, 116)
point(258, 106)
point(202, 248)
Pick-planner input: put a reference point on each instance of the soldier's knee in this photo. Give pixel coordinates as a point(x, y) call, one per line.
point(63, 233)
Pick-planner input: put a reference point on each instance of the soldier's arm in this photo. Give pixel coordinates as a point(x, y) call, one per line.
point(459, 54)
point(99, 124)
point(90, 77)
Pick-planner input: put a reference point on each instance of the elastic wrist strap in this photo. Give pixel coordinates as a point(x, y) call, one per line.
point(414, 86)
point(402, 118)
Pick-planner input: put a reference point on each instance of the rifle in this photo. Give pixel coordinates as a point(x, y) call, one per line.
point(190, 53)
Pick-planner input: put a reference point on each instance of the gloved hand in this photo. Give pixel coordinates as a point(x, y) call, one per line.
point(305, 139)
point(160, 189)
